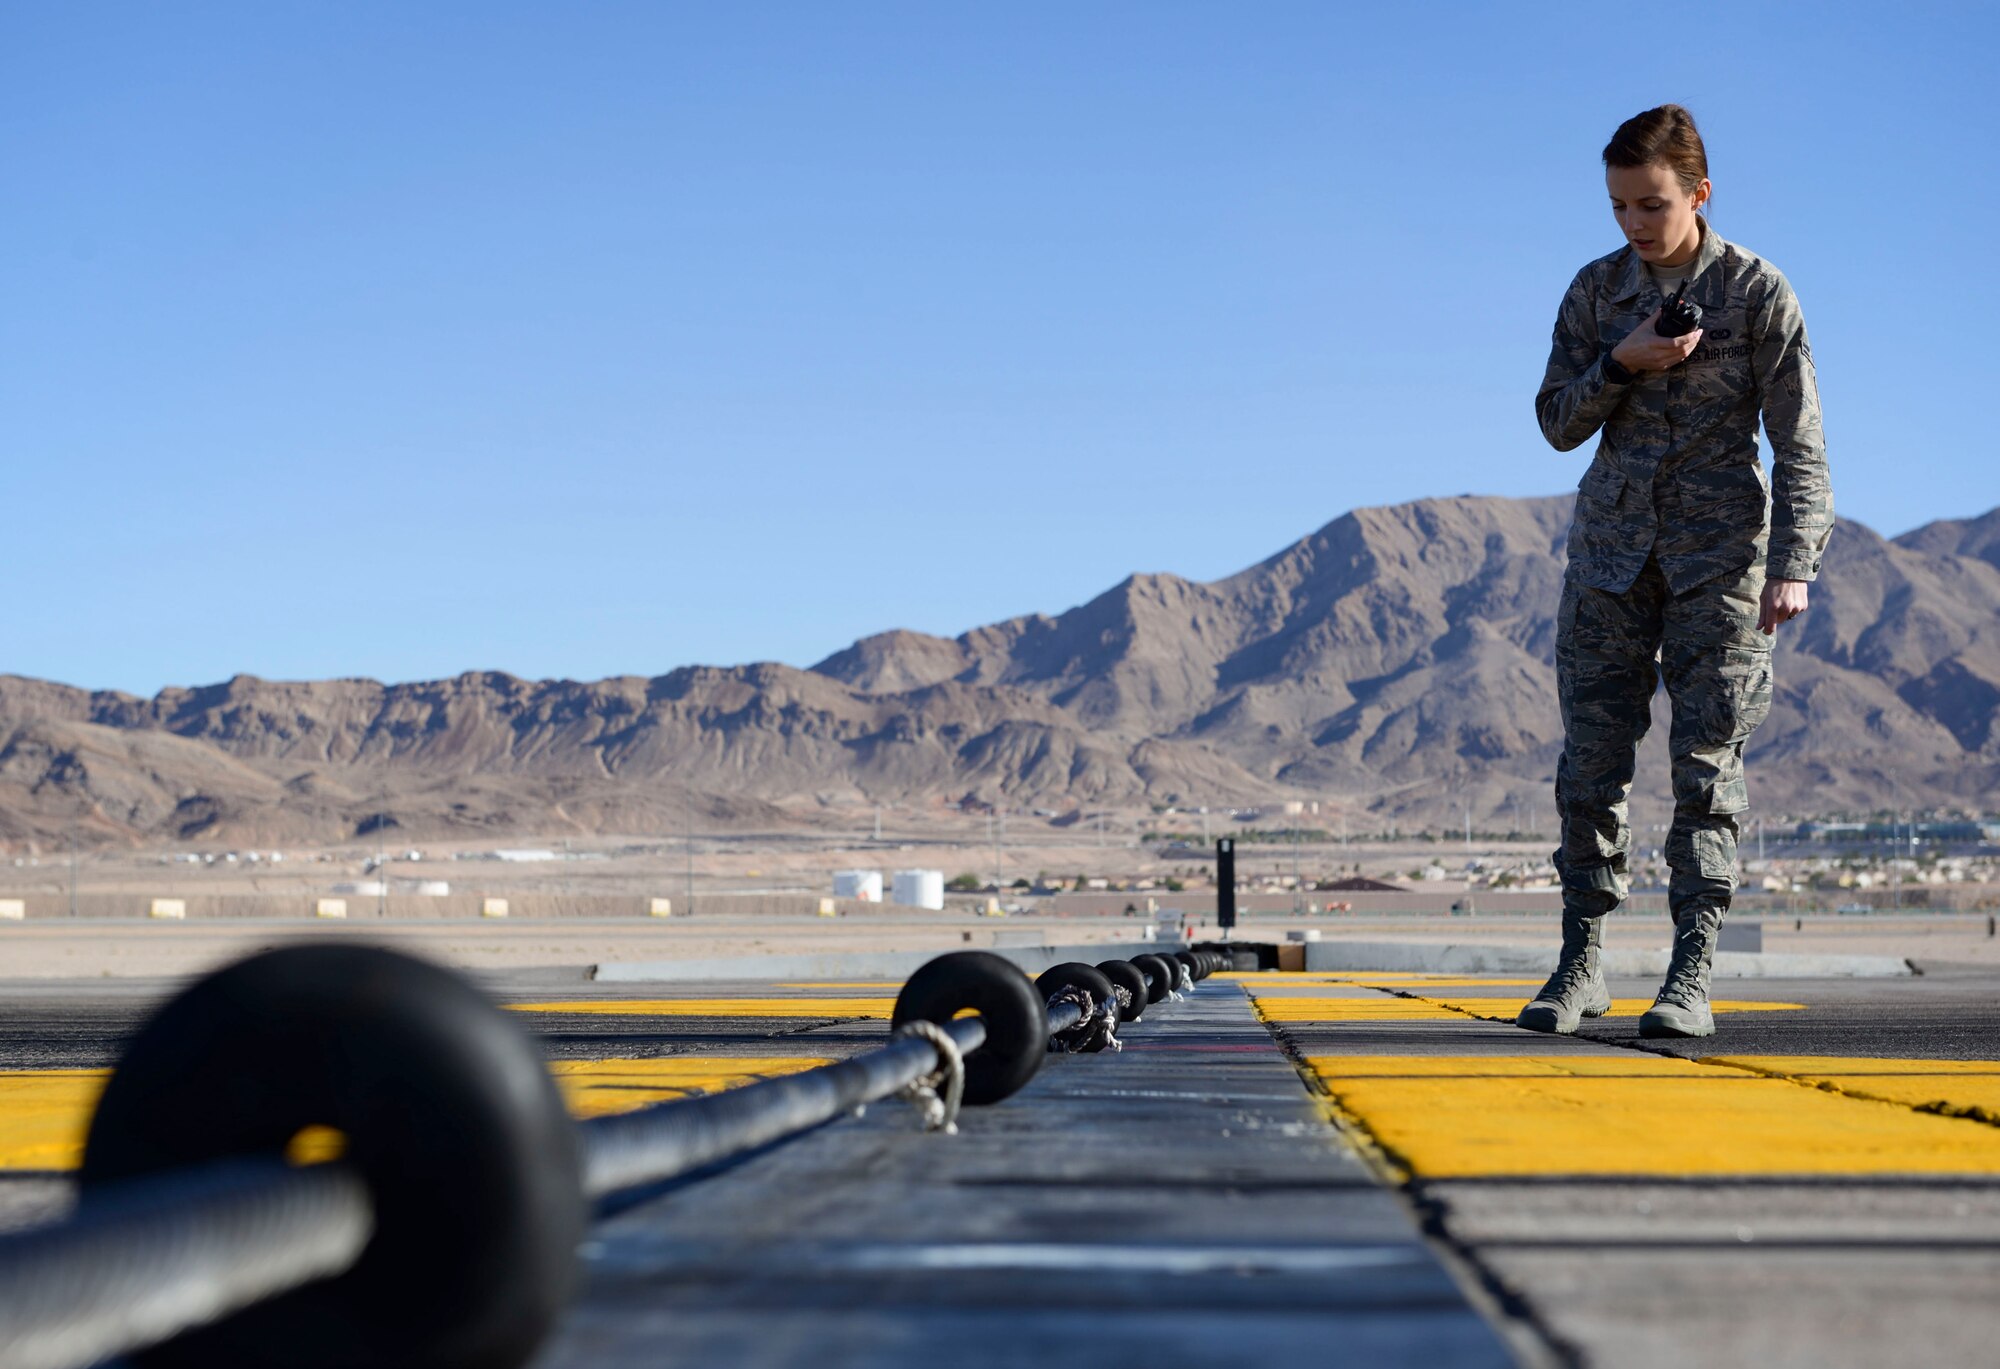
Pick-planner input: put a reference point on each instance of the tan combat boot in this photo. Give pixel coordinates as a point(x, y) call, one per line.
point(1576, 990)
point(1682, 1007)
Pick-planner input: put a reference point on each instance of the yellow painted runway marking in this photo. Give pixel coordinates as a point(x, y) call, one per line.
point(1627, 1113)
point(1396, 983)
point(1953, 1088)
point(44, 1114)
point(1400, 978)
point(718, 1007)
point(316, 1145)
point(1288, 1008)
point(1263, 981)
point(1506, 1009)
point(596, 1088)
point(1446, 981)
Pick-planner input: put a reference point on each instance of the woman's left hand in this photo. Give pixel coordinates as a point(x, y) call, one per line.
point(1783, 600)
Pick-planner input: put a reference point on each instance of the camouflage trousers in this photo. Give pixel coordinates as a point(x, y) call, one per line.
point(1611, 650)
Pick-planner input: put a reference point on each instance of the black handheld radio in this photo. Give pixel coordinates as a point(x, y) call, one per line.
point(1679, 316)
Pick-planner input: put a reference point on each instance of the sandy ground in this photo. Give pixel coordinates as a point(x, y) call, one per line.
point(98, 948)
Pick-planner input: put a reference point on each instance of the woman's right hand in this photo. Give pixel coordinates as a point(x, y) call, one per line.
point(1645, 350)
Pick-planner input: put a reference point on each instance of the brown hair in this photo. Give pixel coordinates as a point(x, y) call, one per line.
point(1665, 136)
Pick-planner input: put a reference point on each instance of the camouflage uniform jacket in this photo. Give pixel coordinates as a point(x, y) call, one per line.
point(1677, 473)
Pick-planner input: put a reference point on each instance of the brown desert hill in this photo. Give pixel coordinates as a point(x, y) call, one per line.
point(756, 746)
point(1353, 604)
point(892, 662)
point(1887, 691)
point(1977, 537)
point(1399, 659)
point(1391, 641)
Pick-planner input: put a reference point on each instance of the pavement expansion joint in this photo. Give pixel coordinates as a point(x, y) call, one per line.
point(1832, 1075)
point(1532, 1338)
point(1838, 1075)
point(1191, 1179)
point(1835, 1077)
point(1793, 1190)
point(1382, 1159)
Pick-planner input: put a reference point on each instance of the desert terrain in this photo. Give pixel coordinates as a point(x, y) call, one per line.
point(1393, 668)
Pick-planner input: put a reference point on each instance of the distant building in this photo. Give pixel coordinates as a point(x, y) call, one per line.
point(1961, 830)
point(864, 885)
point(918, 889)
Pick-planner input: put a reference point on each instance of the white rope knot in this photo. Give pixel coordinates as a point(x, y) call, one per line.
point(940, 1112)
point(1097, 1024)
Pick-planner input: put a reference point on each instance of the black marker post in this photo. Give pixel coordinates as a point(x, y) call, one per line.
point(1225, 884)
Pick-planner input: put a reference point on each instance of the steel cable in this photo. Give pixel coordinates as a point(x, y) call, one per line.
point(634, 1148)
point(144, 1260)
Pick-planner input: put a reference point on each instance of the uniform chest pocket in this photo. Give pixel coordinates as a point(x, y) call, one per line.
point(1726, 344)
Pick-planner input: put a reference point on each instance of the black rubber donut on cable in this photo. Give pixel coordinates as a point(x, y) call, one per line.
point(1160, 978)
point(446, 1108)
point(1086, 977)
point(1195, 973)
point(1015, 1013)
point(1123, 974)
point(1090, 979)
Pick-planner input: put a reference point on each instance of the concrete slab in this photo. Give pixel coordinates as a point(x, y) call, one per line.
point(1642, 1308)
point(1183, 1202)
point(1769, 1213)
point(1864, 1264)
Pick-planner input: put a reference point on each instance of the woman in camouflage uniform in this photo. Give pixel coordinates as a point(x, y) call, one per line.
point(1678, 569)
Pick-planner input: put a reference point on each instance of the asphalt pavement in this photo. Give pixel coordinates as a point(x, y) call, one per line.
point(1375, 1168)
point(1816, 1184)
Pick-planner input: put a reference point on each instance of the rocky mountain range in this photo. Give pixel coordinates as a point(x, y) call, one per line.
point(1397, 661)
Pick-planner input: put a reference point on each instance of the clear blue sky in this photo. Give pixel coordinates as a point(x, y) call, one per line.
point(576, 340)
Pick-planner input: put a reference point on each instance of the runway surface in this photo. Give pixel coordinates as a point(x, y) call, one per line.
point(1816, 1184)
point(1377, 1169)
